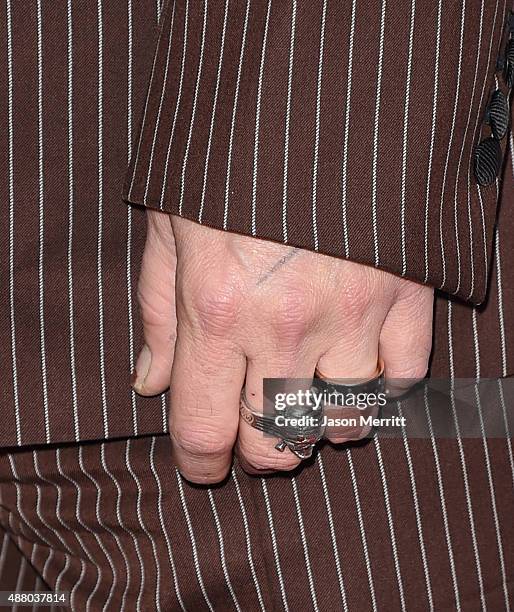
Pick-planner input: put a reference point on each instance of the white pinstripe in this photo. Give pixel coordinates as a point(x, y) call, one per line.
point(317, 128)
point(105, 527)
point(288, 118)
point(449, 147)
point(274, 545)
point(258, 121)
point(213, 113)
point(471, 257)
point(234, 112)
point(71, 321)
point(44, 522)
point(417, 512)
point(44, 378)
point(130, 319)
point(75, 586)
point(219, 533)
point(24, 520)
point(488, 463)
point(3, 554)
point(507, 428)
point(479, 191)
point(194, 549)
point(123, 526)
point(486, 264)
point(501, 323)
point(159, 110)
point(390, 523)
point(347, 131)
point(375, 132)
point(129, 208)
point(456, 190)
point(164, 412)
point(332, 532)
point(38, 586)
point(20, 537)
point(305, 547)
point(511, 143)
point(146, 532)
point(484, 235)
point(193, 111)
point(463, 459)
point(11, 223)
point(477, 62)
point(103, 386)
point(406, 135)
point(129, 124)
point(177, 106)
point(33, 551)
point(77, 583)
point(362, 530)
point(87, 528)
point(248, 540)
point(67, 527)
point(50, 557)
point(21, 577)
point(432, 131)
point(163, 527)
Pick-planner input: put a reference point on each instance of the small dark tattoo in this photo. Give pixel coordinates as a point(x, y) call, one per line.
point(281, 262)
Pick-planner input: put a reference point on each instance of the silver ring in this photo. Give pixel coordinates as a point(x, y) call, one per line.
point(299, 440)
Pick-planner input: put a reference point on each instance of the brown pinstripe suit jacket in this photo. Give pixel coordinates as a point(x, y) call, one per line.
point(349, 128)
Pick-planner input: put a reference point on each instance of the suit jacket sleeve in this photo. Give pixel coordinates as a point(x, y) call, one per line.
point(371, 130)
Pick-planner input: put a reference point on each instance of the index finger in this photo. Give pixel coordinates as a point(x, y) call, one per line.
point(206, 381)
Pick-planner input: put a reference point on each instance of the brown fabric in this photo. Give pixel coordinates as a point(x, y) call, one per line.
point(399, 523)
point(482, 338)
point(344, 127)
point(17, 574)
point(69, 326)
point(69, 248)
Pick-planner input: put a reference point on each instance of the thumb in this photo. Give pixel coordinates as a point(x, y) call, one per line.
point(156, 294)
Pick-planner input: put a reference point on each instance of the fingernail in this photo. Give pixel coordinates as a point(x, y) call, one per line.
point(142, 368)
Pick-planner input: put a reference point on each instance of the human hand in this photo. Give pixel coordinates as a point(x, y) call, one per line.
point(248, 309)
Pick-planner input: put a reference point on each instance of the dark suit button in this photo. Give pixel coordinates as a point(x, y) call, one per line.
point(508, 69)
point(488, 161)
point(498, 114)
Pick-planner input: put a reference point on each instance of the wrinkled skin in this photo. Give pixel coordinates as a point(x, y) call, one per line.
point(220, 309)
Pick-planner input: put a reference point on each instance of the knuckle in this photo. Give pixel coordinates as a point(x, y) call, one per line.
point(216, 307)
point(356, 297)
point(201, 442)
point(292, 316)
point(410, 373)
